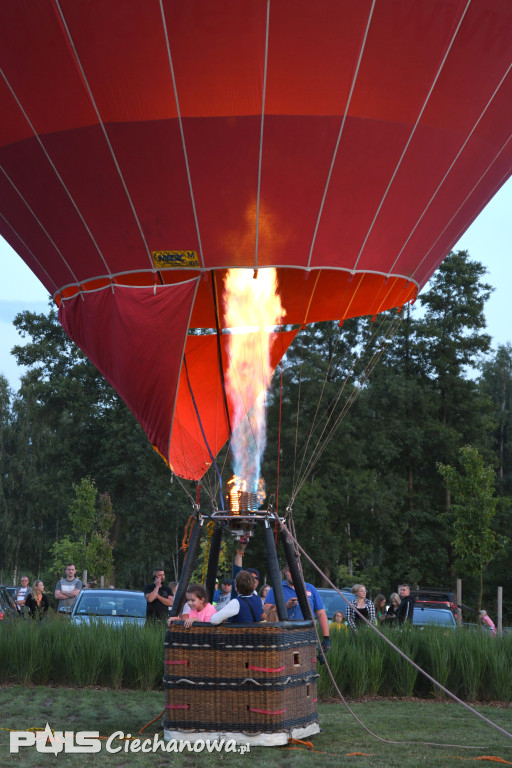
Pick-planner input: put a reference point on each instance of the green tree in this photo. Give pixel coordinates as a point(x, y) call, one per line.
point(90, 548)
point(473, 512)
point(496, 382)
point(81, 427)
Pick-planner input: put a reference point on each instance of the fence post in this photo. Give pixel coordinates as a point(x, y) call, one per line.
point(459, 602)
point(500, 612)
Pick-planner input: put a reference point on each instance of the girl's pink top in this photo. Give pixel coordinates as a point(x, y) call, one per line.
point(490, 623)
point(204, 615)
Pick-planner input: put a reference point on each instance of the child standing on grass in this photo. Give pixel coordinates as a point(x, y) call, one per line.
point(338, 622)
point(200, 608)
point(487, 621)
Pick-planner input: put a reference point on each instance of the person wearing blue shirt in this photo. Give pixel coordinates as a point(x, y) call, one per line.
point(293, 607)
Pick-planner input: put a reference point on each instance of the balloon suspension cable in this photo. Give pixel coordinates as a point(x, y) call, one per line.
point(313, 458)
point(279, 437)
point(184, 488)
point(219, 354)
point(369, 624)
point(202, 431)
point(332, 421)
point(210, 527)
point(211, 484)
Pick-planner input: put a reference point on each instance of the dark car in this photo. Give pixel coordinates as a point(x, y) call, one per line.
point(8, 608)
point(334, 602)
point(110, 606)
point(428, 616)
point(435, 598)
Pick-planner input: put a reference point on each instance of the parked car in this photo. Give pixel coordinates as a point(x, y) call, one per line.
point(111, 606)
point(428, 616)
point(333, 602)
point(436, 598)
point(8, 608)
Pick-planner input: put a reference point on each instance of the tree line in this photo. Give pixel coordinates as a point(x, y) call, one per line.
point(363, 420)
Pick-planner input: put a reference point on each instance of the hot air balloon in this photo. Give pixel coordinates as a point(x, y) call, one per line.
point(149, 146)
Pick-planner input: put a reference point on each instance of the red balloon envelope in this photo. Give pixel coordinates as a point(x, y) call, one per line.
point(147, 147)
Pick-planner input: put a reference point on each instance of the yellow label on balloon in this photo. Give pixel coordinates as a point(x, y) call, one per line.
point(170, 259)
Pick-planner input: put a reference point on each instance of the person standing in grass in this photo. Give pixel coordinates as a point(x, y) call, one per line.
point(22, 593)
point(68, 589)
point(405, 610)
point(360, 607)
point(487, 622)
point(37, 602)
point(159, 598)
point(338, 623)
point(380, 608)
point(394, 602)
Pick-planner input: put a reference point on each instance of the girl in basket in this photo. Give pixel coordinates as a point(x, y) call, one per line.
point(200, 608)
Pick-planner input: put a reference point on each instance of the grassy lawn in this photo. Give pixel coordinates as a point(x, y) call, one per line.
point(409, 722)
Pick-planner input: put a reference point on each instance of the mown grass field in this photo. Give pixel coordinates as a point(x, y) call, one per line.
point(343, 741)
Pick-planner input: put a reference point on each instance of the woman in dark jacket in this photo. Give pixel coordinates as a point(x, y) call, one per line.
point(394, 602)
point(37, 602)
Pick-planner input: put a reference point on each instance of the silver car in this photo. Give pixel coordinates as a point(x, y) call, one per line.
point(110, 606)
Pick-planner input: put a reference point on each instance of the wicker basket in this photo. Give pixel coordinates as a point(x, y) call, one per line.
point(253, 682)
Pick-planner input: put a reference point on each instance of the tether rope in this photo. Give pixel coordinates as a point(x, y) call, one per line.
point(400, 652)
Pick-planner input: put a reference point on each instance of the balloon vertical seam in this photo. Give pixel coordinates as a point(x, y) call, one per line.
point(415, 126)
point(182, 134)
point(106, 137)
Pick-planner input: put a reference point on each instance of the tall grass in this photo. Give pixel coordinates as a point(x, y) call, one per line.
point(473, 665)
point(56, 652)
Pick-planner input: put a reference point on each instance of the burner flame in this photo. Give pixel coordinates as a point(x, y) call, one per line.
point(252, 309)
point(242, 500)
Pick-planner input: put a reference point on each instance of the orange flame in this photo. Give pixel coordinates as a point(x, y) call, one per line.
point(252, 309)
